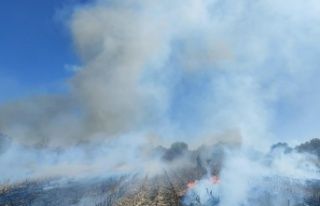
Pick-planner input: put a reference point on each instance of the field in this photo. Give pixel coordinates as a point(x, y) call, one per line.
point(171, 187)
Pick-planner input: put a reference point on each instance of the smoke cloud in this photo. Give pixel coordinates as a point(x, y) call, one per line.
point(185, 70)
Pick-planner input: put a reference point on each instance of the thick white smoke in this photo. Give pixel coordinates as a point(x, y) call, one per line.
point(249, 177)
point(166, 66)
point(179, 70)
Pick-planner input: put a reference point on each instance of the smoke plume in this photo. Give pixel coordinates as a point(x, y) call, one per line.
point(155, 72)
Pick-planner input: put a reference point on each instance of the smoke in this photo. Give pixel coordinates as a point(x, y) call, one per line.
point(193, 67)
point(193, 70)
point(249, 177)
point(41, 119)
point(115, 45)
point(255, 178)
point(121, 155)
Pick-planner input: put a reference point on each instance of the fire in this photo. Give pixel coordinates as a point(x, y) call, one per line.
point(215, 179)
point(191, 185)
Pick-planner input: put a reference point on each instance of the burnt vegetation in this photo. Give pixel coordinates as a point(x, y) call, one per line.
point(165, 189)
point(168, 188)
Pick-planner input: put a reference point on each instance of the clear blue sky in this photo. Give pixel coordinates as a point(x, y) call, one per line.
point(35, 46)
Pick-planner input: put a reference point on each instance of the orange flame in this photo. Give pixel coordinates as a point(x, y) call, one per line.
point(215, 179)
point(191, 185)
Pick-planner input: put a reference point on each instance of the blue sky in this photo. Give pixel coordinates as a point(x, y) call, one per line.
point(154, 71)
point(248, 65)
point(35, 47)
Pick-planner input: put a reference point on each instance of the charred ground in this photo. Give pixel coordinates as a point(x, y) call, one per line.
point(170, 186)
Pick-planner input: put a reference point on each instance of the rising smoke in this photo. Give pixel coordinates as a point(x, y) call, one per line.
point(154, 72)
point(183, 68)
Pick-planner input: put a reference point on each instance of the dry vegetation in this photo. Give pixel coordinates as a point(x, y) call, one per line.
point(168, 188)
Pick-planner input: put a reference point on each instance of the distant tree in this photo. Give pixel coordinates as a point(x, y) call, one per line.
point(312, 147)
point(179, 146)
point(281, 146)
point(177, 150)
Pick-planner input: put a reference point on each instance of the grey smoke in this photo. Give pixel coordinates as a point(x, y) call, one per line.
point(160, 67)
point(160, 71)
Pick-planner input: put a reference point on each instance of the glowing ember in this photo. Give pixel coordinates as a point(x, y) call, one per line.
point(191, 185)
point(214, 179)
